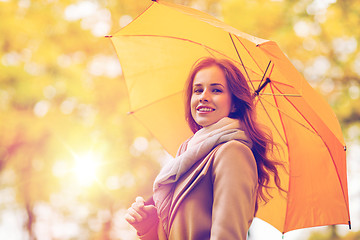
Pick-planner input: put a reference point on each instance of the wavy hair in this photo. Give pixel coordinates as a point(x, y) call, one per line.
point(243, 101)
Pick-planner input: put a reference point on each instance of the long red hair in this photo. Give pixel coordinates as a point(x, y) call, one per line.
point(243, 102)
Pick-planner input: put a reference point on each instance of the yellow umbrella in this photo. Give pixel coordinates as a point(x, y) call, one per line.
point(156, 52)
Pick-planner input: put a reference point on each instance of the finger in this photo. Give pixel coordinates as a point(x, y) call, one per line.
point(150, 209)
point(129, 218)
point(140, 201)
point(133, 213)
point(139, 207)
point(139, 215)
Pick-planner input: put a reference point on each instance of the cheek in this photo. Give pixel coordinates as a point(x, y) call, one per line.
point(227, 103)
point(193, 104)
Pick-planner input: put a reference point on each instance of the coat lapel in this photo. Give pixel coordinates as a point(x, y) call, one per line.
point(189, 180)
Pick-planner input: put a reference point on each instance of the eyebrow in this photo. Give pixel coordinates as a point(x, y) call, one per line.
point(212, 84)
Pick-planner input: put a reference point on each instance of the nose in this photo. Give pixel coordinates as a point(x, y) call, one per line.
point(204, 97)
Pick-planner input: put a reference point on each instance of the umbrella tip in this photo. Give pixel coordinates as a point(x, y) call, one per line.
point(108, 36)
point(154, 0)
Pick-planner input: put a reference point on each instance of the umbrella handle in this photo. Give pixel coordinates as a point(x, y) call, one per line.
point(262, 86)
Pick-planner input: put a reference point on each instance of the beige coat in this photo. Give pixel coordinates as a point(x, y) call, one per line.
point(215, 199)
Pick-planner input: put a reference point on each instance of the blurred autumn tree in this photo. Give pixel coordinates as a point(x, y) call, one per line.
point(70, 158)
point(65, 159)
point(319, 37)
point(332, 235)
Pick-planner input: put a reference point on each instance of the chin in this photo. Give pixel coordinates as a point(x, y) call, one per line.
point(205, 123)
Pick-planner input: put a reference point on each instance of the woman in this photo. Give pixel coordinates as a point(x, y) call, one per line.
point(211, 190)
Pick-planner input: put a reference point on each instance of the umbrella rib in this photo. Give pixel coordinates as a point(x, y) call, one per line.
point(311, 130)
point(209, 51)
point(281, 95)
point(267, 68)
point(284, 95)
point(263, 85)
point(272, 122)
point(285, 135)
point(257, 91)
point(283, 126)
point(277, 83)
point(327, 147)
point(188, 40)
point(237, 52)
point(249, 52)
point(278, 109)
point(268, 80)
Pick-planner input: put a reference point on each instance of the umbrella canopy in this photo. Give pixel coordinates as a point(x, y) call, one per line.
point(156, 52)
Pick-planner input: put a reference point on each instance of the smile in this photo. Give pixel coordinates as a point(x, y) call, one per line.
point(205, 109)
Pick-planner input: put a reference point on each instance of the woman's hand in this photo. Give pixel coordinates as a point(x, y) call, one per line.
point(142, 217)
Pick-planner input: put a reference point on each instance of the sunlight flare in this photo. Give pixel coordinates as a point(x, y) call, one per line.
point(86, 168)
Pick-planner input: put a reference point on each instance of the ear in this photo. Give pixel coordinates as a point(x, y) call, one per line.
point(233, 108)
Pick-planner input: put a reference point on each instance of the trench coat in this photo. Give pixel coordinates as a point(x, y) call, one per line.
point(215, 199)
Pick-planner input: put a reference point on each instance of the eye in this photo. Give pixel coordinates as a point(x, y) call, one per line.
point(198, 90)
point(217, 90)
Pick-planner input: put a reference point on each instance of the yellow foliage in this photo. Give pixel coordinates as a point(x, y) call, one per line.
point(62, 92)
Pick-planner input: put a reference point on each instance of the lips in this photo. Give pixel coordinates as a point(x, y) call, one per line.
point(204, 109)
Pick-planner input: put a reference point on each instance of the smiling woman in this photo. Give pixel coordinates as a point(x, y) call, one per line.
point(225, 161)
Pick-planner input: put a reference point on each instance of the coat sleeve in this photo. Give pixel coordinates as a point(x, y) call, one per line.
point(234, 189)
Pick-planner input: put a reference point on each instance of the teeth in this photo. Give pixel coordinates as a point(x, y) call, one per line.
point(205, 109)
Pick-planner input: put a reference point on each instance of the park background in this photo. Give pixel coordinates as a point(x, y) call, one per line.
point(71, 159)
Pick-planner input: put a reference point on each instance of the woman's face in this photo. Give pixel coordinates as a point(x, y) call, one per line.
point(211, 97)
